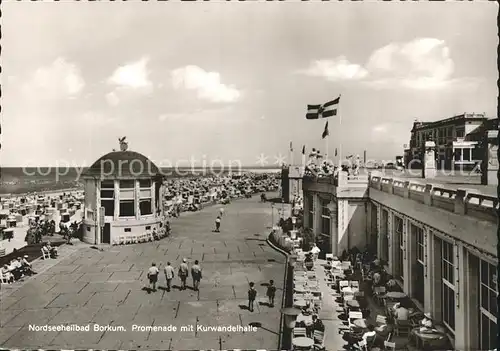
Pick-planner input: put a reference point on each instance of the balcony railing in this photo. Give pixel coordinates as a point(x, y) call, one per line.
point(461, 201)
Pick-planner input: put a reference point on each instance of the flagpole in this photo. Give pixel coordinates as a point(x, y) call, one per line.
point(340, 131)
point(326, 145)
point(291, 155)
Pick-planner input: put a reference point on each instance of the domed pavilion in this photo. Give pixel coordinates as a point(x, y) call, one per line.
point(123, 198)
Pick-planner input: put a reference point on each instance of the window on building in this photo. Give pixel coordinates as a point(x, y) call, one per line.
point(145, 207)
point(127, 208)
point(148, 227)
point(325, 217)
point(466, 154)
point(460, 133)
point(145, 202)
point(108, 197)
point(88, 229)
point(127, 230)
point(458, 155)
point(419, 289)
point(488, 306)
point(127, 184)
point(399, 236)
point(448, 286)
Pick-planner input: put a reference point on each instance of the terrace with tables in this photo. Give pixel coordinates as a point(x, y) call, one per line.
point(352, 301)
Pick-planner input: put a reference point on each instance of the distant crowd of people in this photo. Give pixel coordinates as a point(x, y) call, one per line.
point(17, 269)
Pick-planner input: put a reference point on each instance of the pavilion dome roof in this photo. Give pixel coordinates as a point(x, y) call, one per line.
point(123, 164)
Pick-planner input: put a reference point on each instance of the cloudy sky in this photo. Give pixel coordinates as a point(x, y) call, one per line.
point(231, 81)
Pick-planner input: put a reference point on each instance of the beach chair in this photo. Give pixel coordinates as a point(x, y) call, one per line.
point(299, 332)
point(45, 255)
point(381, 320)
point(122, 240)
point(354, 284)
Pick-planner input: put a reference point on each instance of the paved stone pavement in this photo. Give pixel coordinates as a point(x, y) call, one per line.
point(89, 287)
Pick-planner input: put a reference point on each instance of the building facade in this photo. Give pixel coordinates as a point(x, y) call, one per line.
point(439, 243)
point(123, 198)
point(454, 146)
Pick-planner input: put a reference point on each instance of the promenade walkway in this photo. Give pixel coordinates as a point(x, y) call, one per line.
point(90, 286)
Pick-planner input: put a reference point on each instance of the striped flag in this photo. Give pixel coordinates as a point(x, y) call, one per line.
point(328, 109)
point(325, 132)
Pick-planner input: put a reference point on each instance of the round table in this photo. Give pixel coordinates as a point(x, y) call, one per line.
point(426, 337)
point(353, 303)
point(395, 295)
point(303, 342)
point(360, 323)
point(300, 303)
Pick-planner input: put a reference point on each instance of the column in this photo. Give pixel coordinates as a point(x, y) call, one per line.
point(429, 161)
point(462, 312)
point(343, 225)
point(472, 285)
point(489, 175)
point(391, 255)
point(117, 200)
point(137, 191)
point(406, 257)
point(334, 228)
point(428, 272)
point(97, 212)
point(154, 208)
point(379, 230)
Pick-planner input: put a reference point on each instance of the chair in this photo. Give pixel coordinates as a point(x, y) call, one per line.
point(354, 284)
point(403, 327)
point(329, 256)
point(45, 254)
point(3, 278)
point(362, 345)
point(389, 346)
point(299, 332)
point(122, 240)
point(352, 317)
point(381, 320)
point(319, 340)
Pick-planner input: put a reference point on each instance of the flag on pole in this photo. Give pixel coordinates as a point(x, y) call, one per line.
point(335, 151)
point(303, 150)
point(325, 132)
point(328, 109)
point(291, 147)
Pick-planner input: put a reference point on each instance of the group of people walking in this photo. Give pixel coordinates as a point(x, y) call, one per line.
point(182, 272)
point(252, 294)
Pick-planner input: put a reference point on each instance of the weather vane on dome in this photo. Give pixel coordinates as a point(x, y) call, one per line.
point(123, 144)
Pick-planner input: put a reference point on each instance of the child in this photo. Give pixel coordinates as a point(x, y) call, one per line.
point(271, 292)
point(217, 224)
point(252, 294)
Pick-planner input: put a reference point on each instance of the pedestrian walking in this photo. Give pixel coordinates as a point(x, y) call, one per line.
point(217, 224)
point(153, 276)
point(169, 275)
point(183, 273)
point(196, 275)
point(271, 293)
point(221, 212)
point(252, 294)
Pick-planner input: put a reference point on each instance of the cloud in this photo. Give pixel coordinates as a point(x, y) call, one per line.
point(61, 79)
point(129, 80)
point(132, 75)
point(207, 85)
point(421, 64)
point(337, 69)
